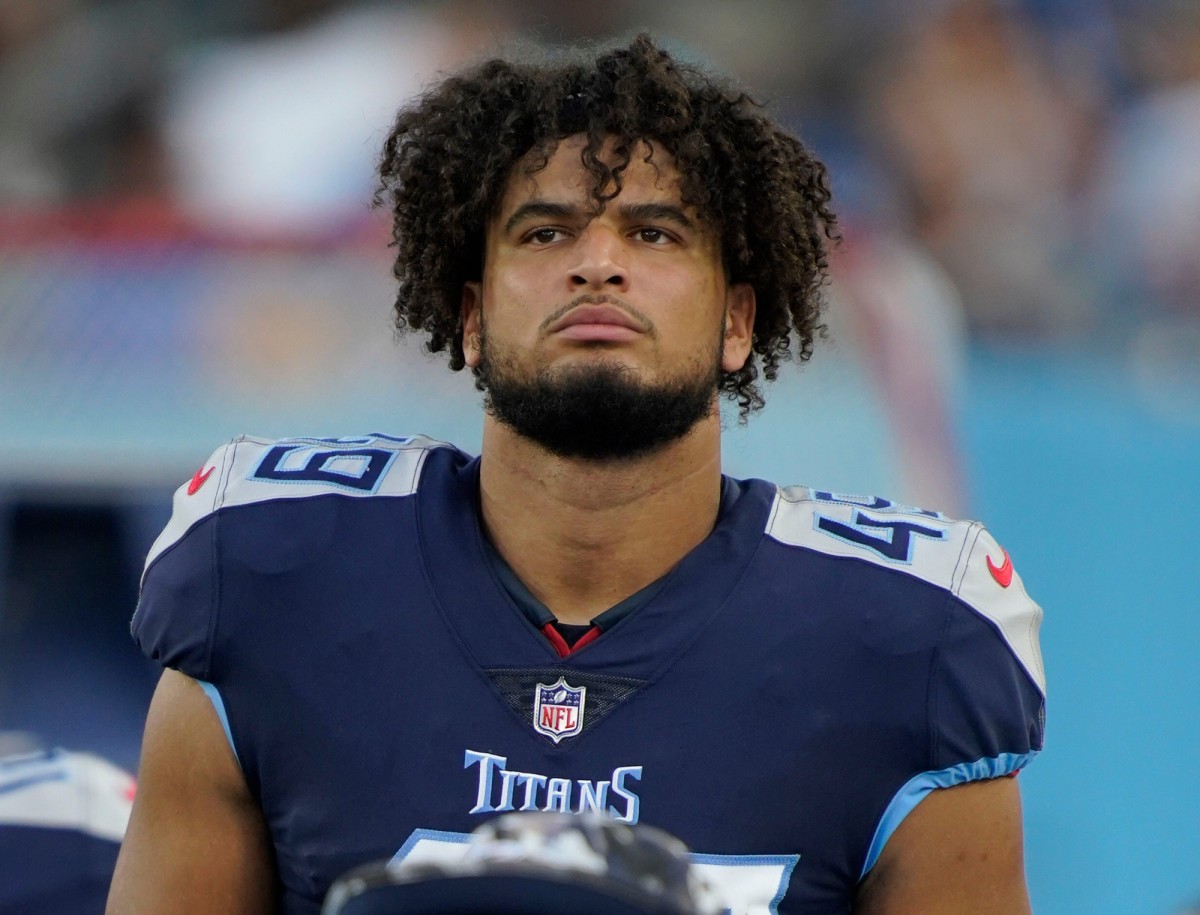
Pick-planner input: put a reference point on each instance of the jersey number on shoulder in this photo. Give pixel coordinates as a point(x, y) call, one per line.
point(891, 538)
point(359, 469)
point(747, 884)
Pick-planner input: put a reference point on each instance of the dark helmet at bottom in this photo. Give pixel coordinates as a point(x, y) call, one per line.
point(535, 864)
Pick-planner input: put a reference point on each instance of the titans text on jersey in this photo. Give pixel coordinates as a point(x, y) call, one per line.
point(780, 700)
point(501, 790)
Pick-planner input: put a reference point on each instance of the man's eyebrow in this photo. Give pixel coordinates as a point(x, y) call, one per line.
point(633, 212)
point(540, 209)
point(655, 212)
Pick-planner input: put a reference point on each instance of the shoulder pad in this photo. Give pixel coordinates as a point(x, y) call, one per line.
point(248, 470)
point(958, 556)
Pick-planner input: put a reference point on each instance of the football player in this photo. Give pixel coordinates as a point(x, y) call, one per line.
point(375, 643)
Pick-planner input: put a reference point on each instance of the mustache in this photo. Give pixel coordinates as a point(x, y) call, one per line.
point(603, 298)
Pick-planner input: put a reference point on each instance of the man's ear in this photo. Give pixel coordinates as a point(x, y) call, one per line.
point(740, 304)
point(472, 321)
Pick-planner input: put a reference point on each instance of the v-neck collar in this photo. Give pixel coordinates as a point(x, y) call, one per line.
point(496, 632)
point(539, 614)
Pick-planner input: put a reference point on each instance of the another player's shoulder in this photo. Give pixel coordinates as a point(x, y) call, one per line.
point(65, 790)
point(249, 470)
point(956, 556)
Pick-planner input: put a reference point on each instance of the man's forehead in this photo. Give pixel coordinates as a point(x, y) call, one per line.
point(650, 174)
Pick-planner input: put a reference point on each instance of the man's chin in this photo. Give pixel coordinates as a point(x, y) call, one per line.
point(597, 361)
point(599, 411)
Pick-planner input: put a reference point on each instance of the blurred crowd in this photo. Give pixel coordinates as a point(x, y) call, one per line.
point(1042, 153)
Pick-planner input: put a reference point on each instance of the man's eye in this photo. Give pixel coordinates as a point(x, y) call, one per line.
point(544, 236)
point(653, 236)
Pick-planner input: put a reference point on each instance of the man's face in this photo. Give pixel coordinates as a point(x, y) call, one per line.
point(602, 335)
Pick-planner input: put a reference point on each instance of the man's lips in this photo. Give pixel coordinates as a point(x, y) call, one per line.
point(596, 323)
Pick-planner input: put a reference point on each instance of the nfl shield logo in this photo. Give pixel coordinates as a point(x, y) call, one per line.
point(558, 709)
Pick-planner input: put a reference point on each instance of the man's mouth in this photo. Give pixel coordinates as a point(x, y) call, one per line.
point(597, 323)
point(600, 320)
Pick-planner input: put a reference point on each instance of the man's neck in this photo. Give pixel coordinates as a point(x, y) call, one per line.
point(584, 535)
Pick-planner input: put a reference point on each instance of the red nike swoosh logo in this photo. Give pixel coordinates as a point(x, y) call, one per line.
point(1003, 572)
point(200, 477)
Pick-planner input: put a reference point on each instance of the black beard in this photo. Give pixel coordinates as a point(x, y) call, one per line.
point(596, 412)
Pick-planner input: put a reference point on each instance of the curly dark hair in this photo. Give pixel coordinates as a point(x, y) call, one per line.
point(447, 160)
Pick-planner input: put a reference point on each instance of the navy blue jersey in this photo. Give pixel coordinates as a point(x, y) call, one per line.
point(784, 697)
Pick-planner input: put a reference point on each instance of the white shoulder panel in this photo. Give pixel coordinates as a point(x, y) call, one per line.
point(992, 587)
point(958, 556)
point(249, 470)
point(925, 544)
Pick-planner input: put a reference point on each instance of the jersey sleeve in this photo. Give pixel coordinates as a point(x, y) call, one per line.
point(177, 606)
point(989, 684)
point(181, 594)
point(986, 699)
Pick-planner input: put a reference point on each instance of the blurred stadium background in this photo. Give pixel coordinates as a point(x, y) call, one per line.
point(186, 254)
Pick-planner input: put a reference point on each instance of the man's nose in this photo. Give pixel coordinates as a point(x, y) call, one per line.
point(601, 264)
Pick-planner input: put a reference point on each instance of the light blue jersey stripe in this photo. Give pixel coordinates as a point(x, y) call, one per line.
point(214, 696)
point(918, 786)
